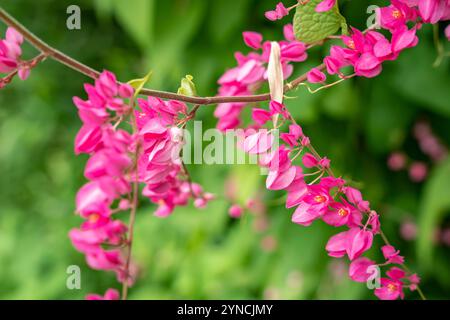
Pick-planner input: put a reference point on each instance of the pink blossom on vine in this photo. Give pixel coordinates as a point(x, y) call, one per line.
point(397, 161)
point(418, 171)
point(340, 214)
point(316, 76)
point(259, 142)
point(253, 40)
point(396, 15)
point(10, 51)
point(359, 241)
point(110, 294)
point(391, 255)
point(159, 164)
point(236, 211)
point(251, 72)
point(432, 11)
point(325, 5)
point(261, 116)
point(310, 161)
point(390, 289)
point(291, 138)
point(358, 270)
point(279, 13)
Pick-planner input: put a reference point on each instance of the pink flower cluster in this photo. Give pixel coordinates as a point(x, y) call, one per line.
point(118, 159)
point(320, 195)
point(110, 294)
point(366, 52)
point(10, 52)
point(429, 144)
point(251, 72)
point(159, 163)
point(328, 199)
point(392, 287)
point(100, 237)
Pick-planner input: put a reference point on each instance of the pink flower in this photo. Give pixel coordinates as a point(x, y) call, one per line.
point(91, 198)
point(280, 179)
point(396, 273)
point(236, 211)
point(126, 91)
point(355, 197)
point(10, 51)
point(359, 241)
point(415, 280)
point(392, 255)
point(259, 142)
point(342, 214)
point(397, 161)
point(261, 116)
point(88, 139)
point(294, 51)
point(337, 245)
point(253, 40)
point(333, 65)
point(403, 38)
point(296, 190)
point(325, 5)
point(110, 294)
point(368, 66)
point(288, 32)
point(278, 108)
point(277, 14)
point(309, 161)
point(432, 11)
point(316, 76)
point(390, 289)
point(358, 270)
point(396, 15)
point(291, 138)
point(418, 171)
point(304, 216)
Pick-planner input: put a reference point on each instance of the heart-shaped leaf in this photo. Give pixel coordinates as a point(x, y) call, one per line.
point(311, 26)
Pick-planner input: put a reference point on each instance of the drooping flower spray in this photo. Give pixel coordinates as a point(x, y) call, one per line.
point(134, 144)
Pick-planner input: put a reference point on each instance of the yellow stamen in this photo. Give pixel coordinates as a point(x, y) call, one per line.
point(320, 199)
point(93, 218)
point(342, 212)
point(397, 14)
point(351, 44)
point(392, 287)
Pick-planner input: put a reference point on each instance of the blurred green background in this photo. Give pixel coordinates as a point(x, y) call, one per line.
point(205, 254)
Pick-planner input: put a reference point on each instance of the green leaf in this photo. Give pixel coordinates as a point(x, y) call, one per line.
point(136, 17)
point(187, 87)
point(138, 84)
point(428, 87)
point(311, 26)
point(434, 205)
point(387, 120)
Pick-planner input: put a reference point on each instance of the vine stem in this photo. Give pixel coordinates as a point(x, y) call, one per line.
point(76, 65)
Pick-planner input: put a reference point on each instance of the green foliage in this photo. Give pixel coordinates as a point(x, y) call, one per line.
point(311, 26)
point(435, 204)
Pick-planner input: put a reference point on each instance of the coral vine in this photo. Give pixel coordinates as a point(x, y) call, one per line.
point(138, 142)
